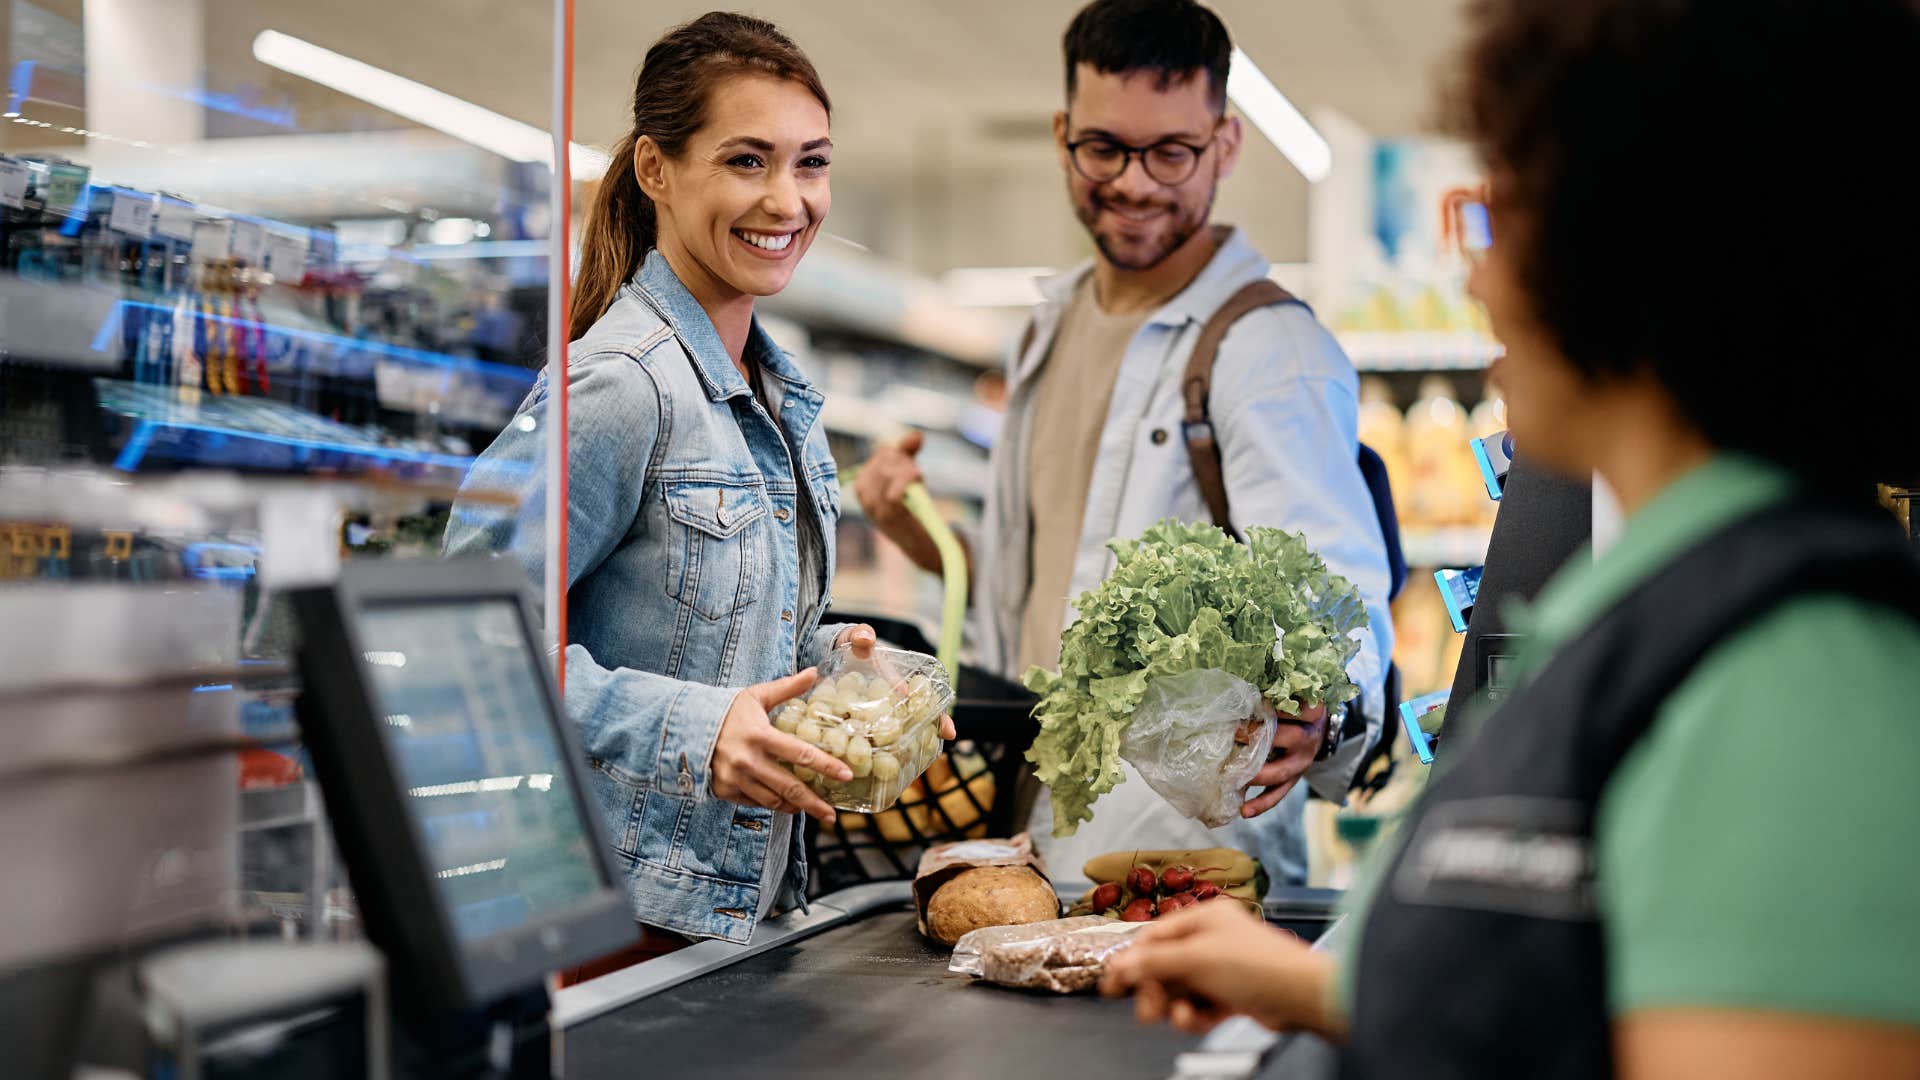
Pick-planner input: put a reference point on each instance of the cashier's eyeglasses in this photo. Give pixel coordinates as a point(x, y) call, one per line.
point(1171, 162)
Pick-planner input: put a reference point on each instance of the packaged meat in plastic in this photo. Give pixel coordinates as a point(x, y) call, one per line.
point(1198, 738)
point(1065, 962)
point(881, 716)
point(968, 952)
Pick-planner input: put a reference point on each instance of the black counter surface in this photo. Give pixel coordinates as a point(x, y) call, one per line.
point(871, 998)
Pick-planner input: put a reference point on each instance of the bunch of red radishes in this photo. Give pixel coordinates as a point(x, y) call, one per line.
point(1143, 897)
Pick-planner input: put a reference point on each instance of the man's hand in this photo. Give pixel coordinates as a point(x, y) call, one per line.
point(1216, 959)
point(1296, 742)
point(882, 487)
point(747, 756)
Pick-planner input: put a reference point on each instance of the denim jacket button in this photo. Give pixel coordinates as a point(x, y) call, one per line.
point(786, 616)
point(780, 513)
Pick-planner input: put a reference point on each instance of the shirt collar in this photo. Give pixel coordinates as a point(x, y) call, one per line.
point(1711, 496)
point(1236, 262)
point(690, 322)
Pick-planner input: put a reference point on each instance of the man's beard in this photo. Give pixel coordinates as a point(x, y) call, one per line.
point(1184, 226)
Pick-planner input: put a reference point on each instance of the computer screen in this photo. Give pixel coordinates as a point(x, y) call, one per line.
point(465, 718)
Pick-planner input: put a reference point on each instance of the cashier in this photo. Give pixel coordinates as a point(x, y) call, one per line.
point(1680, 846)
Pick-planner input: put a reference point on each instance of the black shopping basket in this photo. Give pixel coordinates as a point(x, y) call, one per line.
point(970, 791)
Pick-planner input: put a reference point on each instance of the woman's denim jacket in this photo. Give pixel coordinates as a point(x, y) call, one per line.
point(683, 579)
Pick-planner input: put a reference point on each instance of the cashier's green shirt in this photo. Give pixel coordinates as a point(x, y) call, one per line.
point(1756, 848)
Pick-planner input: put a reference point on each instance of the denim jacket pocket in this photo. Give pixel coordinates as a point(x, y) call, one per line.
point(712, 557)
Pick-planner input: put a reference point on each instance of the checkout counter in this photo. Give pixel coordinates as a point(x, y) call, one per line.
point(851, 988)
point(457, 794)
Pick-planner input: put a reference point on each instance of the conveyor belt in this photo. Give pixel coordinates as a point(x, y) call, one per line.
point(868, 998)
point(849, 991)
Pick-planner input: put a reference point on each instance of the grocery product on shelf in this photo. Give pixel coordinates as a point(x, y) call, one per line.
point(220, 338)
point(1384, 427)
point(1444, 486)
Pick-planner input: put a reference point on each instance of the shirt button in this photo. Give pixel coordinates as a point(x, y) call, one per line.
point(787, 404)
point(1159, 436)
point(780, 513)
point(786, 616)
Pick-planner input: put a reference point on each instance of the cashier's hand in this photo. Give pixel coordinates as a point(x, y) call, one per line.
point(1216, 959)
point(747, 756)
point(862, 638)
point(1295, 744)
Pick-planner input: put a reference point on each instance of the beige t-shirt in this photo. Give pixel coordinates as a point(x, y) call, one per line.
point(1070, 411)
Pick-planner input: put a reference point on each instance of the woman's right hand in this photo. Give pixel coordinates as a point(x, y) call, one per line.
point(747, 756)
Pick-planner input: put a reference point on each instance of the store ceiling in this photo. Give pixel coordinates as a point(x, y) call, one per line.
point(940, 107)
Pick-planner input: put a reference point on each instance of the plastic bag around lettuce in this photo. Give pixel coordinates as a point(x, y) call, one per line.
point(1198, 738)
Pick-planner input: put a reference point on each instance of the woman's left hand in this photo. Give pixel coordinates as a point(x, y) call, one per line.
point(861, 639)
point(1296, 742)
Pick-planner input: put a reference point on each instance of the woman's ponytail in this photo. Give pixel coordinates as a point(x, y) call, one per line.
point(620, 230)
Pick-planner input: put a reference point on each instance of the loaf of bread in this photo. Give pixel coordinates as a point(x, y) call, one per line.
point(989, 896)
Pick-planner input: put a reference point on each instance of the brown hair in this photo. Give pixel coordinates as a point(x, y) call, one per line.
point(1708, 191)
point(669, 105)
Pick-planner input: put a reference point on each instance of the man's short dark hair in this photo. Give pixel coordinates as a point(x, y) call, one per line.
point(1170, 38)
point(1711, 192)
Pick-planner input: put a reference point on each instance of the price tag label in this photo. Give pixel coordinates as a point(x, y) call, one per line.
point(173, 219)
point(14, 176)
point(287, 258)
point(249, 243)
point(211, 240)
point(132, 214)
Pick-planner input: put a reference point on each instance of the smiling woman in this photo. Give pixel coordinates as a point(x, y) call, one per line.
point(730, 129)
point(703, 502)
point(741, 200)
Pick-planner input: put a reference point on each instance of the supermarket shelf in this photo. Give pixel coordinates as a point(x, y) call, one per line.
point(1457, 546)
point(1419, 351)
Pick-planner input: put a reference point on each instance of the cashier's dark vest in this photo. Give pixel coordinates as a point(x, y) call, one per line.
point(1482, 955)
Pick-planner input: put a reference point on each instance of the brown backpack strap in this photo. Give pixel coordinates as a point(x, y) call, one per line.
point(1198, 383)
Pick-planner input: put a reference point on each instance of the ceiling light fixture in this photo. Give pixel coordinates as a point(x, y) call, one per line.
point(420, 103)
point(1277, 119)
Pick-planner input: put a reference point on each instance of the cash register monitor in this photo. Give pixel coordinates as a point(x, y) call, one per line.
point(453, 779)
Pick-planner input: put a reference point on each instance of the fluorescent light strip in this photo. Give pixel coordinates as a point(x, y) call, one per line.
point(420, 103)
point(1277, 119)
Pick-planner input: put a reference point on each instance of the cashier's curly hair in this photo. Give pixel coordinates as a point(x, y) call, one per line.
point(669, 105)
point(1719, 192)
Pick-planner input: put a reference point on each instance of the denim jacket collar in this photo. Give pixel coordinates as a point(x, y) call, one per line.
point(662, 289)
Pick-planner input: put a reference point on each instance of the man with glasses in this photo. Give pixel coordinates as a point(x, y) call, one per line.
point(1094, 443)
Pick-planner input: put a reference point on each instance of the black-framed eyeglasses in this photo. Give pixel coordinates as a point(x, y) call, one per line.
point(1172, 162)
